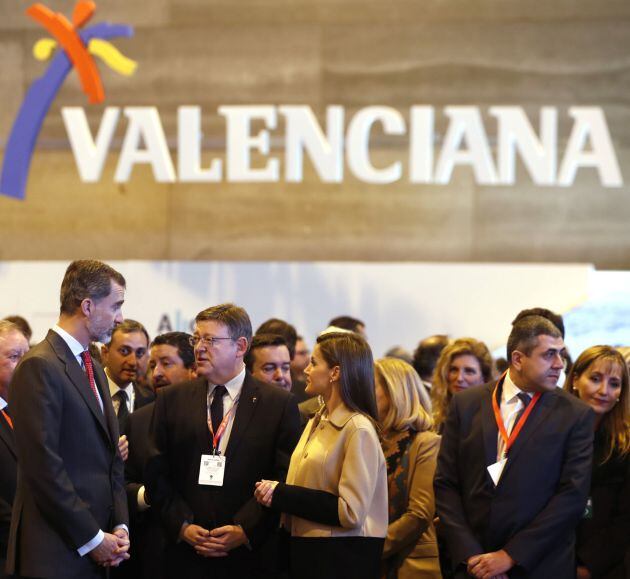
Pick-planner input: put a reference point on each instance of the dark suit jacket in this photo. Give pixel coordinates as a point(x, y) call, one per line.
point(137, 431)
point(541, 495)
point(603, 540)
point(143, 395)
point(264, 433)
point(8, 481)
point(147, 546)
point(70, 475)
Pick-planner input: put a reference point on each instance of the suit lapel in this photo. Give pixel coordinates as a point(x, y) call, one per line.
point(537, 417)
point(200, 410)
point(77, 377)
point(244, 412)
point(489, 427)
point(6, 434)
point(102, 384)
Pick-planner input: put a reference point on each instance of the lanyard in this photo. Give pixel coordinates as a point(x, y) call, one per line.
point(216, 438)
point(8, 419)
point(509, 441)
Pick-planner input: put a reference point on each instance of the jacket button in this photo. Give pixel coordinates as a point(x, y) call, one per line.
point(305, 454)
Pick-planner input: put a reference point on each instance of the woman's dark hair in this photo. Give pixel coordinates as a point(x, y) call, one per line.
point(356, 382)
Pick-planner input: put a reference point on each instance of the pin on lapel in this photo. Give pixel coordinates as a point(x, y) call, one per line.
point(254, 400)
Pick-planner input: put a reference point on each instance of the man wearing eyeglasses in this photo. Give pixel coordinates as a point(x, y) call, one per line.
point(213, 437)
point(514, 465)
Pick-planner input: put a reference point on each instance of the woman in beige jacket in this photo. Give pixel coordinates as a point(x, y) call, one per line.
point(335, 497)
point(410, 449)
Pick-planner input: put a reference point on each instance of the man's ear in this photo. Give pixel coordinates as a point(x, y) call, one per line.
point(104, 354)
point(516, 360)
point(241, 346)
point(87, 307)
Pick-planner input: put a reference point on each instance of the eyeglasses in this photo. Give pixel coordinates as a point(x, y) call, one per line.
point(209, 341)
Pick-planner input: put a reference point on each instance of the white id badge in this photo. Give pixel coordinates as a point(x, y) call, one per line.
point(496, 469)
point(211, 470)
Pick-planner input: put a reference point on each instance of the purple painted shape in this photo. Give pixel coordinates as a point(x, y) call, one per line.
point(39, 97)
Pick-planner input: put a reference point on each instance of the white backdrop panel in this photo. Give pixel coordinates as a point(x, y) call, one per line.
point(399, 302)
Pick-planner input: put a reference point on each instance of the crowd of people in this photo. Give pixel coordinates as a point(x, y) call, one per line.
point(228, 453)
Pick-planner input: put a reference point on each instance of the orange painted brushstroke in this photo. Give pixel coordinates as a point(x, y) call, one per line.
point(83, 11)
point(59, 26)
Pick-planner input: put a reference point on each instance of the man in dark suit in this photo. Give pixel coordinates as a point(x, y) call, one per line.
point(122, 356)
point(172, 361)
point(13, 345)
point(214, 438)
point(70, 511)
point(513, 474)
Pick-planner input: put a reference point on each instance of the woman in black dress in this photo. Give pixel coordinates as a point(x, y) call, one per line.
point(600, 378)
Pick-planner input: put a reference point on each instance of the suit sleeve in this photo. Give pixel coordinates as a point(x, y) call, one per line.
point(256, 520)
point(121, 509)
point(420, 511)
point(133, 474)
point(603, 550)
point(37, 403)
point(461, 541)
point(173, 508)
point(562, 513)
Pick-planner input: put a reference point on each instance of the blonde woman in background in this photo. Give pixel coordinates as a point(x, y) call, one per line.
point(410, 450)
point(464, 363)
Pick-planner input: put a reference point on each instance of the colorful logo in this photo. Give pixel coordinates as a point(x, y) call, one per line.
point(77, 47)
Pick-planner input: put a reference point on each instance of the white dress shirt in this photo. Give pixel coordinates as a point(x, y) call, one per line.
point(128, 388)
point(510, 406)
point(230, 401)
point(3, 403)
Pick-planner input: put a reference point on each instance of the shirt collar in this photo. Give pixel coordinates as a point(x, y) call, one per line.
point(75, 346)
point(113, 387)
point(3, 403)
point(233, 386)
point(339, 416)
point(510, 390)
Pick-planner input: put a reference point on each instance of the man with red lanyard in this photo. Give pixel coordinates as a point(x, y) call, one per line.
point(514, 466)
point(214, 438)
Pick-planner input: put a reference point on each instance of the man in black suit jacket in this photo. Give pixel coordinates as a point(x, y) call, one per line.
point(70, 512)
point(172, 361)
point(519, 516)
point(215, 527)
point(13, 345)
point(128, 345)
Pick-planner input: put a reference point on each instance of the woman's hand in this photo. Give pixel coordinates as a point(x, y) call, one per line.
point(264, 491)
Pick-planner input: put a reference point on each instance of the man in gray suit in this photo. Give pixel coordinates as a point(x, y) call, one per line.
point(70, 512)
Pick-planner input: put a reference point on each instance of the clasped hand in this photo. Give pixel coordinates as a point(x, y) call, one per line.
point(113, 549)
point(215, 543)
point(264, 491)
point(490, 565)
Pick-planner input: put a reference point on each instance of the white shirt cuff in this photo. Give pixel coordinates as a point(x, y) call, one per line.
point(91, 545)
point(142, 503)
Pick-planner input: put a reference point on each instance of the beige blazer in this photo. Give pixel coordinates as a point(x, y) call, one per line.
point(412, 536)
point(341, 454)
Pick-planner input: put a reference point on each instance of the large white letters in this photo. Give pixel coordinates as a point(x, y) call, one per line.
point(189, 139)
point(240, 142)
point(89, 154)
point(304, 133)
point(590, 123)
point(249, 131)
point(145, 125)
